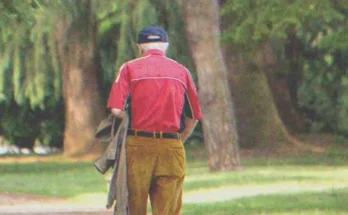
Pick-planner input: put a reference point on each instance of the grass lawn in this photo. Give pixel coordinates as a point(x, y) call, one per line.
point(288, 186)
point(59, 179)
point(305, 203)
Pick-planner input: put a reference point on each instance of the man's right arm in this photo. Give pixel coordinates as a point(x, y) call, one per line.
point(194, 109)
point(190, 124)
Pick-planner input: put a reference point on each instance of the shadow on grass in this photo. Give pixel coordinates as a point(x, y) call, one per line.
point(325, 203)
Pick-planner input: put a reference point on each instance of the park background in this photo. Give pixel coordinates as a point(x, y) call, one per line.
point(272, 79)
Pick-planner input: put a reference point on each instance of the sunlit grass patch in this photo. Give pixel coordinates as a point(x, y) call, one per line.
point(330, 157)
point(199, 177)
point(233, 192)
point(328, 202)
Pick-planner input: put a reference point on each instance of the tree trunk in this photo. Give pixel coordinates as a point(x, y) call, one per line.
point(81, 81)
point(220, 136)
point(259, 124)
point(284, 86)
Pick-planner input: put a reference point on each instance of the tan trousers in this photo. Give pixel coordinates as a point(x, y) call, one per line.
point(155, 168)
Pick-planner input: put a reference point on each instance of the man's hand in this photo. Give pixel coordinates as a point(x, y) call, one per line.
point(189, 126)
point(118, 112)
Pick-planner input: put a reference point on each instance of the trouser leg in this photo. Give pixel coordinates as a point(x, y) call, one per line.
point(166, 186)
point(175, 208)
point(166, 195)
point(140, 162)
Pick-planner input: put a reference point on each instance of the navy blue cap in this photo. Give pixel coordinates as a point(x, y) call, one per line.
point(152, 33)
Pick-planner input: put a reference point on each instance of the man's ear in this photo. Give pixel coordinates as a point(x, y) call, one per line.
point(141, 52)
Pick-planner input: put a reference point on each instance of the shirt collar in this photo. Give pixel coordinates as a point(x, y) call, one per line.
point(153, 52)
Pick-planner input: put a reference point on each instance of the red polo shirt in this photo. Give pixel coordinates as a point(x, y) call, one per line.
point(160, 89)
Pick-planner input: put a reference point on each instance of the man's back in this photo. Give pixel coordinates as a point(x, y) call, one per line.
point(157, 89)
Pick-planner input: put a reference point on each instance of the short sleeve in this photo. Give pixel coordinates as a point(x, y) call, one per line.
point(192, 100)
point(120, 89)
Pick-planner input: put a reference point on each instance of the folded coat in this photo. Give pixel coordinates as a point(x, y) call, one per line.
point(114, 130)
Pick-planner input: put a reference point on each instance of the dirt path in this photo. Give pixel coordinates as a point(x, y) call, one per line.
point(29, 204)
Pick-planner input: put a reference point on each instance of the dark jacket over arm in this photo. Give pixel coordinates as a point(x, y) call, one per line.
point(115, 156)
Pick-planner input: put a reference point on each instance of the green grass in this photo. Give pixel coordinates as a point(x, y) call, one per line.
point(251, 176)
point(327, 167)
point(308, 203)
point(51, 178)
point(292, 185)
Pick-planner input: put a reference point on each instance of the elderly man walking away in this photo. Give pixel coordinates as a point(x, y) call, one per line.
point(163, 110)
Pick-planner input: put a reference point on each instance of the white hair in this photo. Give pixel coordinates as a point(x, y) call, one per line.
point(158, 45)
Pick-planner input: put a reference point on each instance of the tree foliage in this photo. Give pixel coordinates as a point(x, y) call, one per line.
point(257, 21)
point(30, 69)
point(29, 76)
point(321, 29)
point(31, 73)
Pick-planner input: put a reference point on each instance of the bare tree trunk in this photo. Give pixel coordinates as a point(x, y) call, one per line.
point(81, 85)
point(220, 135)
point(259, 124)
point(284, 86)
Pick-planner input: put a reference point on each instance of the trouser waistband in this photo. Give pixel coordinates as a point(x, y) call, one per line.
point(154, 134)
